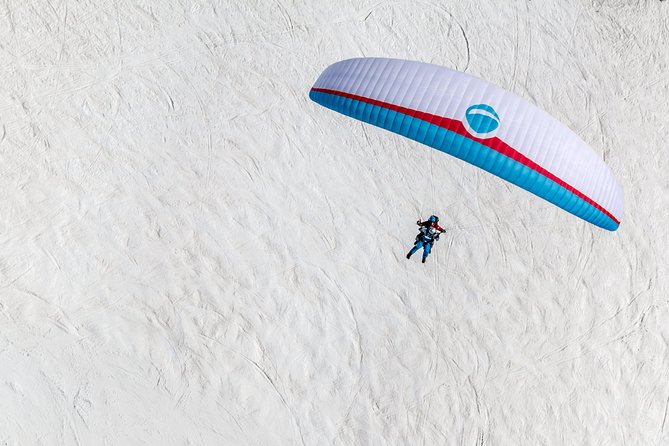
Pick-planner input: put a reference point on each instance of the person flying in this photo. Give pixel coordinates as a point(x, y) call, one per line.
point(429, 232)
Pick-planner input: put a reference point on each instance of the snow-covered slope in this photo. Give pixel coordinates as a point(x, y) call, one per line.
point(193, 252)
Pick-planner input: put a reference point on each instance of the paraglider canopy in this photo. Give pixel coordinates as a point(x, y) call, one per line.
point(479, 123)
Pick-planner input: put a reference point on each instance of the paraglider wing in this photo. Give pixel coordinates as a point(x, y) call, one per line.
point(477, 122)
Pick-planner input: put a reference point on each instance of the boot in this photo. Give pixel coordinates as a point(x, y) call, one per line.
point(424, 259)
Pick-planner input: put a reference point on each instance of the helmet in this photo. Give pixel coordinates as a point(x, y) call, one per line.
point(433, 219)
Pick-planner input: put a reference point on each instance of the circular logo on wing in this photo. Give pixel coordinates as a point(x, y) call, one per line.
point(482, 121)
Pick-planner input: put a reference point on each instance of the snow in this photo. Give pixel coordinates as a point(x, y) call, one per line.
point(193, 252)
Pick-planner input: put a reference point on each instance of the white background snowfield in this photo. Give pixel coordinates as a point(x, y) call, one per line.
point(194, 253)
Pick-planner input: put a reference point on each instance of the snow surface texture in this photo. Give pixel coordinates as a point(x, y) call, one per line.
point(193, 252)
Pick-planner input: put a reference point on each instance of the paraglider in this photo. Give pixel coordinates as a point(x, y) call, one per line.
point(479, 123)
point(428, 234)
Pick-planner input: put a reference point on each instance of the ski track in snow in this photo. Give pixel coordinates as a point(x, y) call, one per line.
point(195, 253)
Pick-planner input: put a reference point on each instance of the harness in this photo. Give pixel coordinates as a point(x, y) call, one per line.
point(427, 235)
